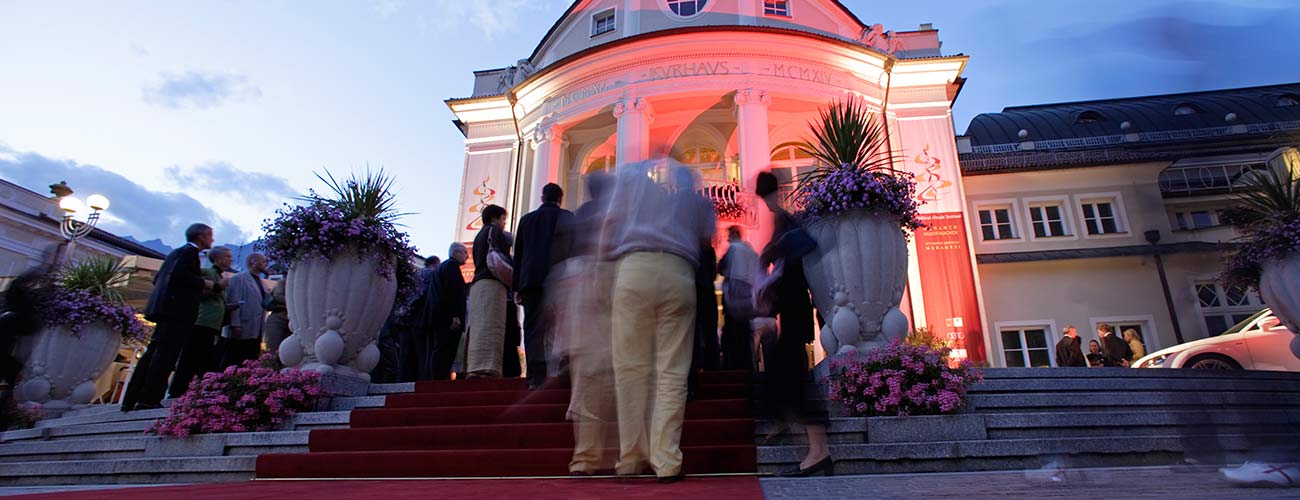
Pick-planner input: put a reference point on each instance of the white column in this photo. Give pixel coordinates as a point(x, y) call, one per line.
point(634, 118)
point(751, 121)
point(547, 147)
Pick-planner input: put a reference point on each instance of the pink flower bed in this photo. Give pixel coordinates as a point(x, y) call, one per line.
point(251, 397)
point(900, 380)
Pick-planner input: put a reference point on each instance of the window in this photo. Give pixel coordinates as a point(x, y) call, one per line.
point(1089, 117)
point(1223, 307)
point(687, 8)
point(1284, 101)
point(1026, 347)
point(599, 163)
point(789, 164)
point(995, 223)
point(1194, 219)
point(1185, 109)
point(776, 8)
point(1099, 217)
point(602, 23)
point(1048, 221)
point(789, 151)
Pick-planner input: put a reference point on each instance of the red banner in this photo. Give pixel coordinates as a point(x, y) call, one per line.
point(948, 284)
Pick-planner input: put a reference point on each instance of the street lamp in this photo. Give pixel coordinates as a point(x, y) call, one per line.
point(71, 206)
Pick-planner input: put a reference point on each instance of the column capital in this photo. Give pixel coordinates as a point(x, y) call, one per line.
point(634, 105)
point(545, 133)
point(752, 96)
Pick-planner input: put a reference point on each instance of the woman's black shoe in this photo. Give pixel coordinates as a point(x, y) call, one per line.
point(825, 467)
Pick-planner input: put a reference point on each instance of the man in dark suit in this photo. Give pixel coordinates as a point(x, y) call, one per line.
point(449, 312)
point(173, 306)
point(536, 234)
point(1116, 350)
point(1069, 351)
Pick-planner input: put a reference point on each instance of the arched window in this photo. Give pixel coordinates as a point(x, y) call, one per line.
point(599, 163)
point(1089, 117)
point(789, 164)
point(789, 151)
point(687, 8)
point(698, 154)
point(1286, 101)
point(1185, 109)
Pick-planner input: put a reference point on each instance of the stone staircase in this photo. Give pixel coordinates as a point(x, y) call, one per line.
point(1079, 417)
point(101, 445)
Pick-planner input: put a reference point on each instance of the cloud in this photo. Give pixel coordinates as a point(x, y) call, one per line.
point(386, 8)
point(492, 17)
point(135, 211)
point(139, 51)
point(199, 89)
point(222, 177)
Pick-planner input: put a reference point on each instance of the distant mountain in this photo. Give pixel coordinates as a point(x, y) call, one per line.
point(154, 244)
point(240, 251)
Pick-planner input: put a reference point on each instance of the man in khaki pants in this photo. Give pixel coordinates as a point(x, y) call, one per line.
point(653, 238)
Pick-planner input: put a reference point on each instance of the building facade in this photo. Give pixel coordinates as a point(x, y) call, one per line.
point(729, 88)
point(1110, 212)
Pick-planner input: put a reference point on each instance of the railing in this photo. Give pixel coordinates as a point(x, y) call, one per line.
point(1204, 179)
point(1163, 136)
point(729, 202)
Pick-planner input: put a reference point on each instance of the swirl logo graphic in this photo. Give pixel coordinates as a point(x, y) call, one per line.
point(485, 196)
point(930, 183)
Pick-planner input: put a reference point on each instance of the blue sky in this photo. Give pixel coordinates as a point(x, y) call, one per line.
point(222, 110)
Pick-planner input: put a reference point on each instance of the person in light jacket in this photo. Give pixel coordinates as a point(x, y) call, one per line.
point(1135, 345)
point(244, 340)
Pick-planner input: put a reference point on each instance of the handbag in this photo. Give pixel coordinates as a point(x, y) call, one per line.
point(499, 263)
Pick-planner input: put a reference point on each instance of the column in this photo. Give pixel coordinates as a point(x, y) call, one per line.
point(751, 122)
point(634, 116)
point(547, 145)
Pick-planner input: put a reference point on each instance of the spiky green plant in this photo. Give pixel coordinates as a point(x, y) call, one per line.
point(848, 134)
point(1271, 194)
point(100, 275)
point(367, 196)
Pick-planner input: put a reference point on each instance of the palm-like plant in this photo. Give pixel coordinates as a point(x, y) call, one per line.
point(100, 275)
point(848, 135)
point(369, 196)
point(1272, 194)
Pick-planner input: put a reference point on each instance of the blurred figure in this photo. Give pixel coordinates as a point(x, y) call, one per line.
point(173, 306)
point(431, 262)
point(510, 362)
point(202, 352)
point(19, 319)
point(1095, 357)
point(1116, 352)
point(739, 268)
point(580, 286)
point(1068, 350)
point(787, 363)
point(533, 263)
point(247, 320)
point(1135, 345)
point(449, 312)
point(277, 323)
point(487, 300)
point(415, 332)
point(654, 243)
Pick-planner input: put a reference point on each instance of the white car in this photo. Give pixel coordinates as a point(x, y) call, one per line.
point(1258, 343)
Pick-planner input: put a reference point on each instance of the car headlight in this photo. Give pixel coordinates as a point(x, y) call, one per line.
point(1156, 362)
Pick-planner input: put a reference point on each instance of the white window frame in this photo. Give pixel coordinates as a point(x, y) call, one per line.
point(1117, 207)
point(1049, 331)
point(708, 4)
point(1013, 212)
point(1253, 303)
point(1150, 336)
point(789, 9)
point(1067, 217)
point(613, 14)
point(1215, 220)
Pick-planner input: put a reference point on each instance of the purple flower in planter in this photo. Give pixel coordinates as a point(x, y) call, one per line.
point(899, 380)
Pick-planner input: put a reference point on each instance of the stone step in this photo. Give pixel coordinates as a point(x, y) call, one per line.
point(398, 388)
point(104, 418)
point(233, 444)
point(1070, 373)
point(1132, 384)
point(133, 428)
point(129, 471)
point(1012, 454)
point(1122, 400)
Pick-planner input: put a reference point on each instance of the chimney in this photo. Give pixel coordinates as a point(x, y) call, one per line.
point(927, 27)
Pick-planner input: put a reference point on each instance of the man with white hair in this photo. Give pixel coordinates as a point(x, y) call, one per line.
point(654, 238)
point(449, 313)
point(244, 339)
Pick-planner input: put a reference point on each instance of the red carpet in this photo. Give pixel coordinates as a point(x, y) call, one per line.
point(498, 428)
point(715, 488)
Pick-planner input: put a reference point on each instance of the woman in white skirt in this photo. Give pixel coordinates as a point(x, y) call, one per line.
point(487, 300)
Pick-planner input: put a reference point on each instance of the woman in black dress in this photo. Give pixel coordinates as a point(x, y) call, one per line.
point(787, 365)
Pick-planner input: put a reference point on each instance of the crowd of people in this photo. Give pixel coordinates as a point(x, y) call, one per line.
point(1111, 350)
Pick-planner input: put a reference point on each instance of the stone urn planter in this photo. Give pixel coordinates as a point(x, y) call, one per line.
point(1279, 287)
point(336, 308)
point(857, 275)
point(60, 369)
